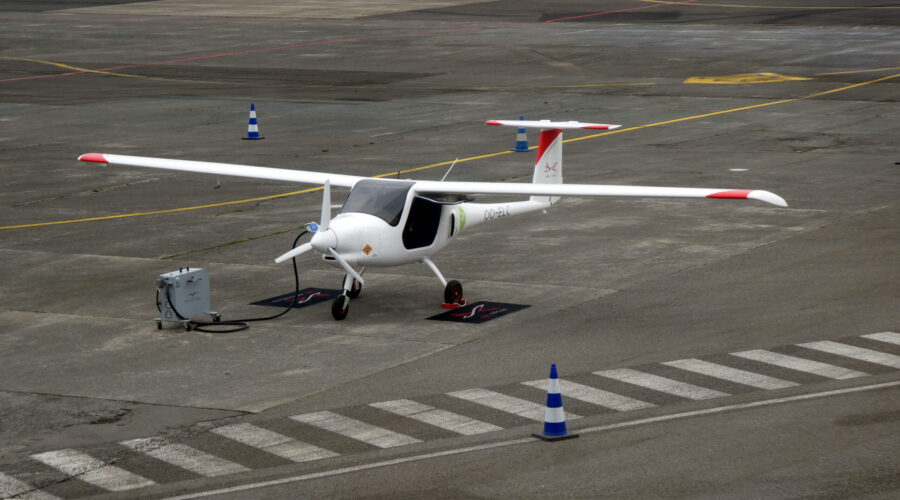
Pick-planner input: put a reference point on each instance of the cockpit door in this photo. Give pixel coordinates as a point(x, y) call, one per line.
point(422, 223)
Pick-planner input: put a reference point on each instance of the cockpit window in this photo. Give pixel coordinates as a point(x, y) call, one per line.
point(383, 199)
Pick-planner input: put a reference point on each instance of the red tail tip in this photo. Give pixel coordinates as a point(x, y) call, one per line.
point(94, 157)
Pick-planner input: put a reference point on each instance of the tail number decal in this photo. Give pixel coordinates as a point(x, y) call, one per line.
point(496, 213)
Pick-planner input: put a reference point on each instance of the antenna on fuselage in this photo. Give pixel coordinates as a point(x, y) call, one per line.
point(449, 169)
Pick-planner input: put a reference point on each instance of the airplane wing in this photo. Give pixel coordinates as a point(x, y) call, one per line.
point(275, 174)
point(433, 187)
point(519, 188)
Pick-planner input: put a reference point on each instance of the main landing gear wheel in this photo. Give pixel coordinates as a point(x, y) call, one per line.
point(340, 307)
point(453, 292)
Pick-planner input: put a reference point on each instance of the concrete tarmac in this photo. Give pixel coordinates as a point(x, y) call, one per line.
point(797, 98)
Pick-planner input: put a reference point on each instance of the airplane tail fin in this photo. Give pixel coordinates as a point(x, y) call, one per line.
point(548, 164)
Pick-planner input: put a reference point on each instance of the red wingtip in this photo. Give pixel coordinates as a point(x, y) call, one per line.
point(736, 194)
point(94, 157)
point(596, 127)
point(492, 122)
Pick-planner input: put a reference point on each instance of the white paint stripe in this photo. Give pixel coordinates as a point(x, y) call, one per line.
point(800, 364)
point(504, 403)
point(513, 442)
point(723, 372)
point(184, 456)
point(355, 429)
point(438, 418)
point(889, 337)
point(12, 487)
point(92, 470)
point(851, 351)
point(596, 396)
point(273, 442)
point(661, 384)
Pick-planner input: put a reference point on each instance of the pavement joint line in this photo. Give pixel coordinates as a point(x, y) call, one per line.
point(783, 7)
point(514, 442)
point(448, 162)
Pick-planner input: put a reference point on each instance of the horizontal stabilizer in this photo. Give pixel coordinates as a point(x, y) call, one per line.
point(547, 124)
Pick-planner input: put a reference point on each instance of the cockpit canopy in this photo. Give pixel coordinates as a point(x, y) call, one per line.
point(382, 198)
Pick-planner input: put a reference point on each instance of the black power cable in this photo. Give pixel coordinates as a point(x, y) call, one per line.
point(241, 324)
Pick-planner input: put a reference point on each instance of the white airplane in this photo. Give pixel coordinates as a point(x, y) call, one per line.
point(388, 222)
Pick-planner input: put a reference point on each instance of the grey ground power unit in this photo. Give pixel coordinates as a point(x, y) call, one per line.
point(183, 293)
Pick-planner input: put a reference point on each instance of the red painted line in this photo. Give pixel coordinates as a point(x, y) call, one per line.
point(336, 41)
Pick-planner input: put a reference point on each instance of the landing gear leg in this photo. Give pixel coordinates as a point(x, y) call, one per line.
point(354, 287)
point(453, 292)
point(350, 289)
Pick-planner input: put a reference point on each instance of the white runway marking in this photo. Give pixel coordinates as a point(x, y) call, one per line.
point(799, 364)
point(594, 396)
point(850, 351)
point(731, 374)
point(91, 470)
point(504, 403)
point(355, 429)
point(661, 384)
point(184, 456)
point(12, 487)
point(273, 442)
point(889, 337)
point(439, 418)
point(513, 442)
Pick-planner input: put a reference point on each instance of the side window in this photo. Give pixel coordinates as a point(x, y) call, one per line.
point(422, 223)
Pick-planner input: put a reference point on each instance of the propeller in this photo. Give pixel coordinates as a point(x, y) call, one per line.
point(324, 240)
point(302, 249)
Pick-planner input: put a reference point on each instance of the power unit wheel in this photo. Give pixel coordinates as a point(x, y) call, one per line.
point(340, 307)
point(355, 289)
point(453, 292)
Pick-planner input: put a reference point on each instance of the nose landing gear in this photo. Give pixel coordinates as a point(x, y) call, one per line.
point(351, 289)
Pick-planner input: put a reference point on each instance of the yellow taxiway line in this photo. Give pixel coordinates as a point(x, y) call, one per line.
point(461, 160)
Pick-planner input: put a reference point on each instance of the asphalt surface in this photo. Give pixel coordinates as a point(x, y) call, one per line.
point(798, 98)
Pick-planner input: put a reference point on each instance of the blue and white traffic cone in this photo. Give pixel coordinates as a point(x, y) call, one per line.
point(253, 126)
point(521, 139)
point(554, 416)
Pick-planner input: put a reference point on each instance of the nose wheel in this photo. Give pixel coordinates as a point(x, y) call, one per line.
point(340, 307)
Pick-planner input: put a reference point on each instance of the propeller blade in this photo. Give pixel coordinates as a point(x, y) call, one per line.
point(325, 219)
point(294, 252)
point(346, 266)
